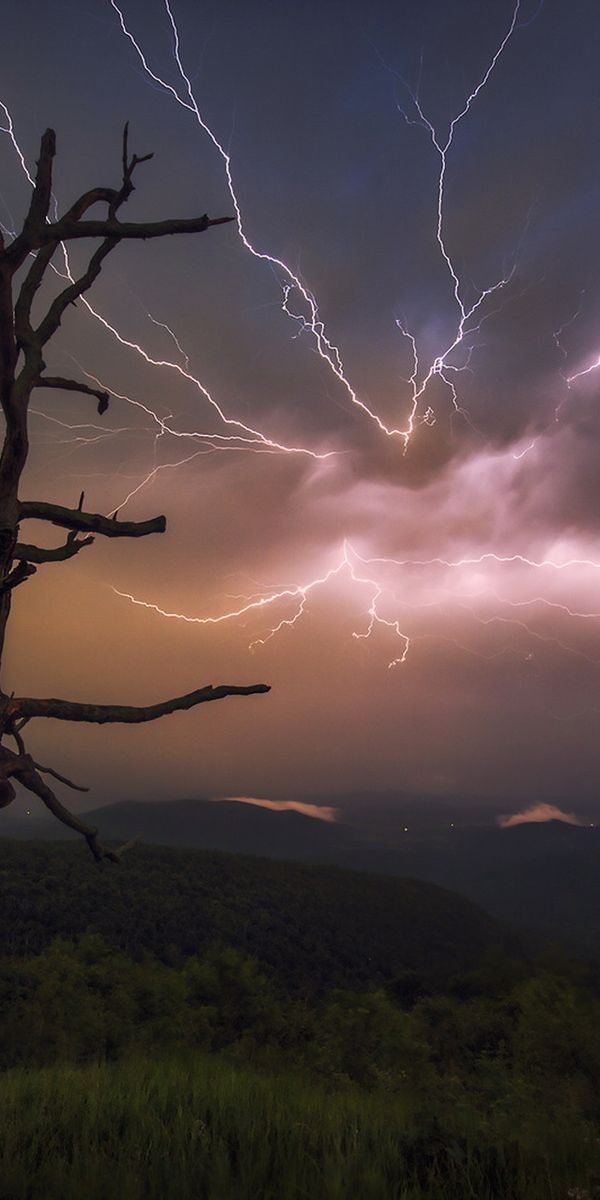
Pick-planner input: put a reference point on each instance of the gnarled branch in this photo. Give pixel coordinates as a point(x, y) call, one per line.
point(15, 732)
point(27, 775)
point(70, 294)
point(38, 554)
point(41, 262)
point(45, 236)
point(124, 714)
point(73, 385)
point(67, 230)
point(77, 787)
point(40, 203)
point(31, 283)
point(8, 763)
point(26, 771)
point(24, 570)
point(74, 519)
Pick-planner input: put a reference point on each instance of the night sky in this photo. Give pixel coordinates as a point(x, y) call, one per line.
point(482, 677)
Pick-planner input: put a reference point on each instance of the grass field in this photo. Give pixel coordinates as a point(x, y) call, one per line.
point(206, 1129)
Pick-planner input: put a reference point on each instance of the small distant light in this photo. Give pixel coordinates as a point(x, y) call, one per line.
point(406, 828)
point(452, 824)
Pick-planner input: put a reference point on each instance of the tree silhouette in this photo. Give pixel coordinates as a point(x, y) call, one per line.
point(28, 257)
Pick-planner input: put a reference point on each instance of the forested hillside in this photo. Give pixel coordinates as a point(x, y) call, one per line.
point(157, 1017)
point(315, 927)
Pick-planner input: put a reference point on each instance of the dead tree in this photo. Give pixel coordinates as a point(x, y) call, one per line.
point(24, 263)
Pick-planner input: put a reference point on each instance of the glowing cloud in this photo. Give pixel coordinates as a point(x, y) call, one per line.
point(537, 814)
point(319, 812)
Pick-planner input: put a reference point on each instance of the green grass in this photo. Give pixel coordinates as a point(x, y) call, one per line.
point(206, 1129)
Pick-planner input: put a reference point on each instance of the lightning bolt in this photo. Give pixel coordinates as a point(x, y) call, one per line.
point(10, 130)
point(289, 604)
point(290, 282)
point(297, 596)
point(466, 329)
point(355, 567)
point(309, 318)
point(487, 556)
point(584, 371)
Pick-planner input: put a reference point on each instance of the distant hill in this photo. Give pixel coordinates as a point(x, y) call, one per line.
point(545, 877)
point(541, 877)
point(206, 824)
point(314, 927)
point(223, 825)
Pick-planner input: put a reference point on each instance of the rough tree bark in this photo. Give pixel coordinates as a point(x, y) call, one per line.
point(23, 266)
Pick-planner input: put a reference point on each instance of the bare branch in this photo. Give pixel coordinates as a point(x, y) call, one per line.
point(38, 554)
point(24, 571)
point(44, 236)
point(74, 519)
point(77, 787)
point(42, 192)
point(11, 763)
point(7, 791)
point(128, 167)
point(8, 343)
point(15, 732)
point(103, 714)
point(36, 272)
point(28, 239)
point(66, 230)
point(37, 218)
point(98, 195)
point(25, 772)
point(70, 294)
point(32, 281)
point(73, 385)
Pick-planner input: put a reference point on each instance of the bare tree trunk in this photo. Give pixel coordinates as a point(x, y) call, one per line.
point(14, 450)
point(21, 370)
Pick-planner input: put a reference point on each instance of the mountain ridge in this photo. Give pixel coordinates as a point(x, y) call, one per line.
point(542, 877)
